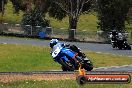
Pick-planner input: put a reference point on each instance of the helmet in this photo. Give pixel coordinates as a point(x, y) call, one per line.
point(114, 32)
point(53, 42)
point(119, 34)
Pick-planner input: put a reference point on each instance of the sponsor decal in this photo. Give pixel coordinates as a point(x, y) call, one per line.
point(84, 78)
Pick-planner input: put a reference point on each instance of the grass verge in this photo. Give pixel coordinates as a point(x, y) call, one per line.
point(59, 84)
point(37, 58)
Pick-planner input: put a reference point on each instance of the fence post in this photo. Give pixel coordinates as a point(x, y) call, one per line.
point(72, 34)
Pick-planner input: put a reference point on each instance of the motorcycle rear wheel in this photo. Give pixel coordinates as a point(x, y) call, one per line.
point(128, 47)
point(67, 66)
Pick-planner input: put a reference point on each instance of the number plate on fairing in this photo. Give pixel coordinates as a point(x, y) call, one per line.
point(56, 52)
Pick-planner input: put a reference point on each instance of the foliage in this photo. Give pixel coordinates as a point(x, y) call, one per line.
point(35, 11)
point(112, 14)
point(56, 12)
point(129, 15)
point(73, 8)
point(34, 19)
point(19, 5)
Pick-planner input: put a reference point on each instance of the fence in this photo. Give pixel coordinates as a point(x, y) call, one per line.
point(11, 28)
point(83, 35)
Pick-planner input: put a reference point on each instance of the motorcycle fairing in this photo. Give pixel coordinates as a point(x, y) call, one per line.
point(68, 53)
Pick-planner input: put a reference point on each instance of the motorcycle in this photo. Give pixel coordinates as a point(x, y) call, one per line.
point(71, 58)
point(119, 41)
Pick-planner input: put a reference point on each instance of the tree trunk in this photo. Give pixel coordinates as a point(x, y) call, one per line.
point(28, 6)
point(72, 27)
point(2, 12)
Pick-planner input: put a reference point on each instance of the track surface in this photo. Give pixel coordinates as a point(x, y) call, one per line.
point(100, 48)
point(104, 48)
point(124, 68)
point(60, 72)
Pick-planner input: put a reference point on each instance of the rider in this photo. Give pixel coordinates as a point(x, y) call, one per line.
point(114, 34)
point(54, 42)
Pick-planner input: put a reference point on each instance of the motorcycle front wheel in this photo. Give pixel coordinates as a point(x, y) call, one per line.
point(88, 65)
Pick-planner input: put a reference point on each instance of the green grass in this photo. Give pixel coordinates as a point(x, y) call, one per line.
point(25, 58)
point(86, 22)
point(37, 58)
point(59, 84)
point(106, 60)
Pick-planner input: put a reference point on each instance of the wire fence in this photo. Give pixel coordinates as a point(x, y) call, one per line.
point(83, 35)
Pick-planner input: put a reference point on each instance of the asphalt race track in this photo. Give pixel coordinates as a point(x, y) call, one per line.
point(99, 48)
point(104, 48)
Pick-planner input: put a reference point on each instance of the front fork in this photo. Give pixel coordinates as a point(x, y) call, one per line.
point(78, 62)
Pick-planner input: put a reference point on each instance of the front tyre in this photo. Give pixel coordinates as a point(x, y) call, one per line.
point(64, 68)
point(88, 65)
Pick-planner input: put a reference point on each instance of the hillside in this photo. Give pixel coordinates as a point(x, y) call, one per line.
point(86, 22)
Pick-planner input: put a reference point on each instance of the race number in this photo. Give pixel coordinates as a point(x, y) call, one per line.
point(56, 52)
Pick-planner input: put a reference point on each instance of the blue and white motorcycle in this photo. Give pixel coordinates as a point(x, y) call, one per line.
point(70, 58)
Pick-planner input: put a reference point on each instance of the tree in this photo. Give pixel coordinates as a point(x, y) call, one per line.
point(29, 5)
point(73, 9)
point(56, 8)
point(34, 13)
point(35, 16)
point(17, 5)
point(2, 5)
point(112, 14)
point(129, 15)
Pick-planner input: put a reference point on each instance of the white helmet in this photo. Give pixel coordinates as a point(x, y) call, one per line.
point(53, 42)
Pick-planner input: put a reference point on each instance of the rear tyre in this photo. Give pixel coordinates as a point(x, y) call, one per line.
point(66, 66)
point(120, 48)
point(128, 47)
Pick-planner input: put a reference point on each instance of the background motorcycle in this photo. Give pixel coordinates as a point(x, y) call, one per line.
point(119, 41)
point(71, 58)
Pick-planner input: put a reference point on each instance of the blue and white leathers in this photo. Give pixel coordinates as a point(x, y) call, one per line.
point(60, 52)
